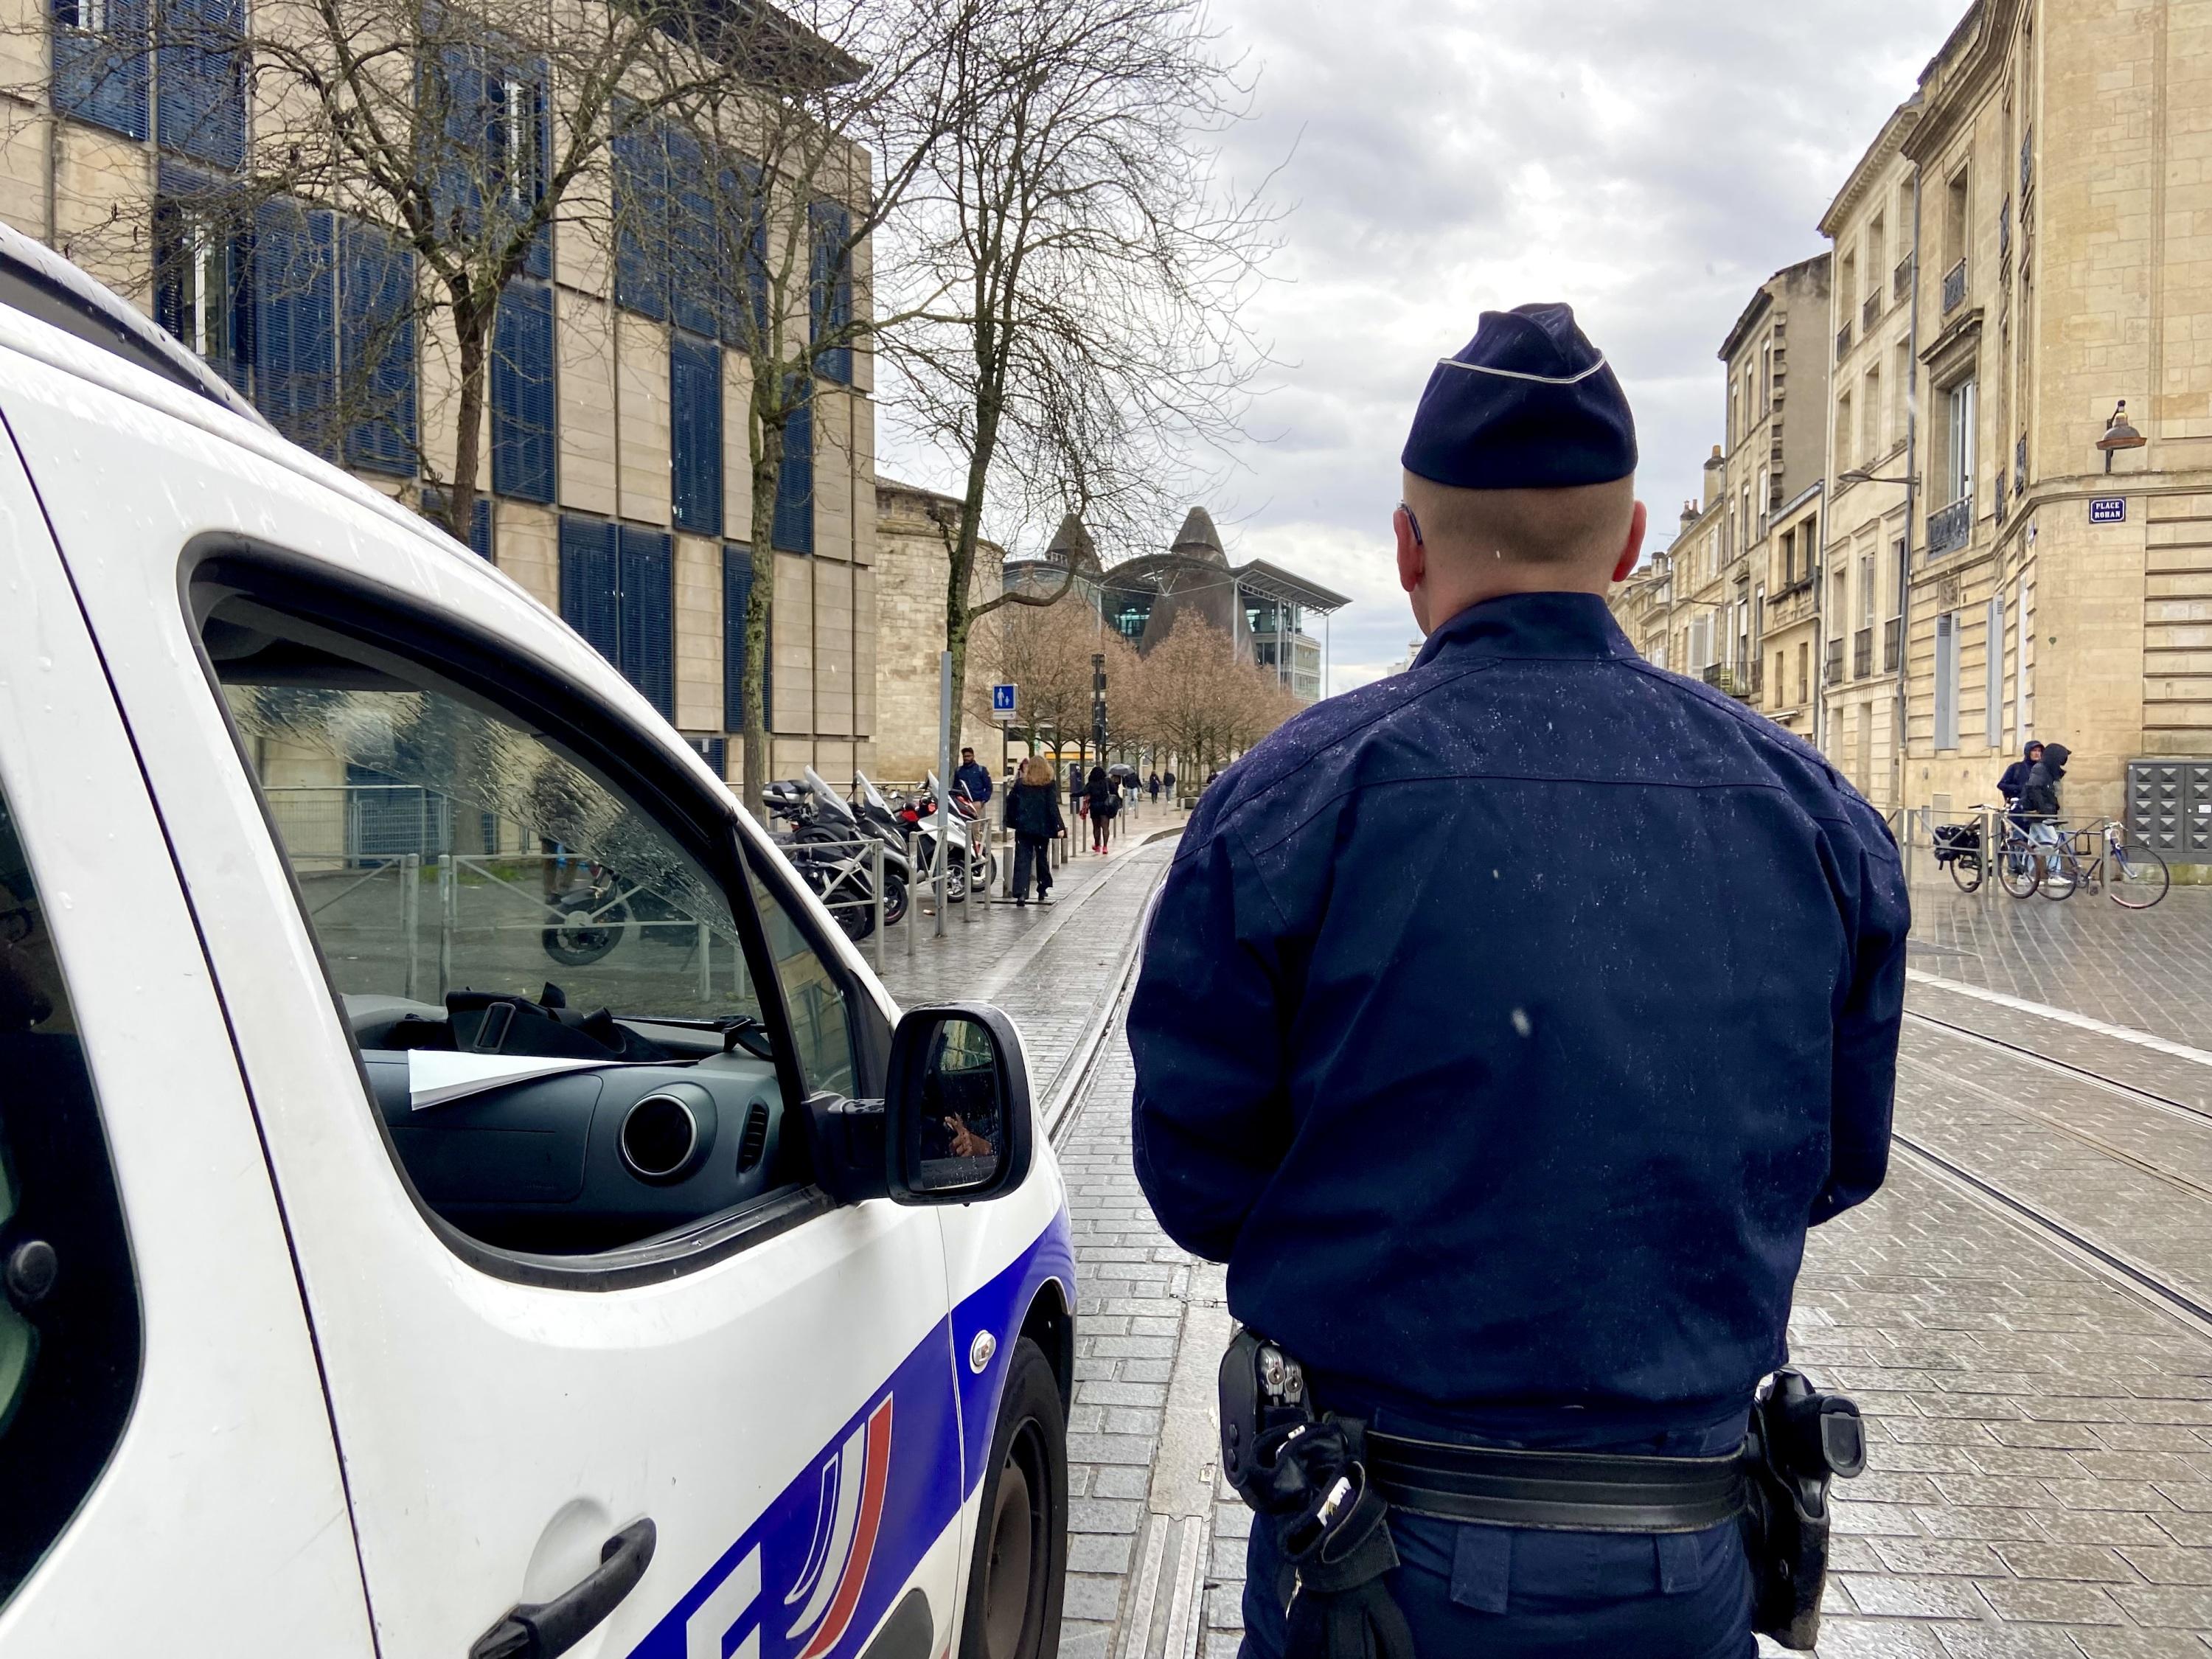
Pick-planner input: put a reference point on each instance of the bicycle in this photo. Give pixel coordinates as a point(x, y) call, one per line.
point(2138, 877)
point(1959, 848)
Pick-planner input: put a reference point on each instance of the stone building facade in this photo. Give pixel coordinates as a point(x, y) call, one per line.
point(616, 475)
point(1870, 450)
point(2058, 165)
point(1778, 380)
point(2021, 250)
point(912, 570)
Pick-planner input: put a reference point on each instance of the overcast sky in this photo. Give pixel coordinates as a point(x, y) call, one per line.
point(1648, 161)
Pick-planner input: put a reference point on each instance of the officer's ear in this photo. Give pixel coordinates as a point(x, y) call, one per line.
point(1412, 558)
point(1633, 550)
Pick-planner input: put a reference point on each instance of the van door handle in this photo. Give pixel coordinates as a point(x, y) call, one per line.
point(538, 1630)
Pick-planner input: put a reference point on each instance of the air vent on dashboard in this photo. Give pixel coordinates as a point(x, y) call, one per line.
point(754, 1141)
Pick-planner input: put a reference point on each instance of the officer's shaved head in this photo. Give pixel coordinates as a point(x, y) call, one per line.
point(1586, 524)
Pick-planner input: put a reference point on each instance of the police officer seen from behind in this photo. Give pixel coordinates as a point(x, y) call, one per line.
point(1504, 1026)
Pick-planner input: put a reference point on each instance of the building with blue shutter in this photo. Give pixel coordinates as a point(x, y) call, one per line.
point(614, 473)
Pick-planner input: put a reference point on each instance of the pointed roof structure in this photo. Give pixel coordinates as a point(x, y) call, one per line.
point(1072, 544)
point(1199, 539)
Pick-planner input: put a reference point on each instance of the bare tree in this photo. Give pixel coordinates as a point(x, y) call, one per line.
point(1204, 701)
point(1077, 269)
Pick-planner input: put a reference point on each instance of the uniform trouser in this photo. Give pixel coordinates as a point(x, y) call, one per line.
point(1029, 851)
point(1490, 1592)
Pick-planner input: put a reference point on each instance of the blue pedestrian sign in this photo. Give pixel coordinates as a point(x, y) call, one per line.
point(2108, 509)
point(1002, 702)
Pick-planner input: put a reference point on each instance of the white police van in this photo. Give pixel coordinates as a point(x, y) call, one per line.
point(400, 1259)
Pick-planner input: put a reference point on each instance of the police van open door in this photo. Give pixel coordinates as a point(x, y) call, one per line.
point(607, 1355)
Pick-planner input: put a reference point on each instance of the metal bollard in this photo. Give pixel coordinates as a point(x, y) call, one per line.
point(941, 846)
point(448, 902)
point(913, 897)
point(1989, 853)
point(971, 897)
point(706, 965)
point(410, 916)
point(876, 865)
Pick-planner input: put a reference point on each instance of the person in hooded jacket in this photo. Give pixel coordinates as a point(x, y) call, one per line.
point(2038, 801)
point(1033, 814)
point(2014, 783)
point(1103, 798)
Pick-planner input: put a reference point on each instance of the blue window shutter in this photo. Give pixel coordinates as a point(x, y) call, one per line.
point(649, 619)
point(588, 584)
point(695, 397)
point(522, 400)
point(794, 482)
point(743, 255)
point(830, 287)
point(640, 169)
point(715, 751)
point(695, 274)
point(295, 287)
point(193, 210)
point(376, 344)
point(201, 98)
point(455, 79)
point(102, 78)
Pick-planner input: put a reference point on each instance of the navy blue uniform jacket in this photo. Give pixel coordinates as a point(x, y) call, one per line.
point(1504, 1024)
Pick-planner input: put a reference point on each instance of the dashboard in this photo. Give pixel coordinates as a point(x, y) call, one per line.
point(588, 1157)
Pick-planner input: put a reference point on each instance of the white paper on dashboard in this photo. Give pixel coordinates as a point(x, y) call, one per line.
point(435, 1076)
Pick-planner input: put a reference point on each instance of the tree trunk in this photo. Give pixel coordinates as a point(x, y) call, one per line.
point(768, 469)
point(961, 562)
point(473, 326)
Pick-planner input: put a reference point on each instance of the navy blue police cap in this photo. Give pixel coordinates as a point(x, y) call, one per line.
point(1529, 403)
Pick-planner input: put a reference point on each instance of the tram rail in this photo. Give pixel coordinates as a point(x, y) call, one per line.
point(2108, 1261)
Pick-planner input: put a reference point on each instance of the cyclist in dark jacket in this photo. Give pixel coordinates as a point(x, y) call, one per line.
point(1033, 814)
point(2040, 795)
point(2014, 783)
point(2039, 801)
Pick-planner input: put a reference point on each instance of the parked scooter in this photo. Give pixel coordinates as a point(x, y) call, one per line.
point(824, 833)
point(970, 864)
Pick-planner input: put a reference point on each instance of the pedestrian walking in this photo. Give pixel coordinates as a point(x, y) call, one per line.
point(1506, 1156)
point(971, 779)
point(1033, 814)
point(1167, 783)
point(1152, 786)
point(1103, 801)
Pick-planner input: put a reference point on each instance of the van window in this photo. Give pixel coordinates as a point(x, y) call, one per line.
point(69, 1325)
point(551, 995)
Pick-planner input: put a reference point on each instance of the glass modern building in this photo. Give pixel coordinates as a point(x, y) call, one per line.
point(1264, 608)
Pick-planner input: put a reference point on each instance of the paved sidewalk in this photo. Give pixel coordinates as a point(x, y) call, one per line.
point(2151, 969)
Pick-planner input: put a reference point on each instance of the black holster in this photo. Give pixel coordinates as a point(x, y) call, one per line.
point(1798, 1440)
point(1305, 1475)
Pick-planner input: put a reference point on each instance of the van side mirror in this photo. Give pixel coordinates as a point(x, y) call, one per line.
point(957, 1120)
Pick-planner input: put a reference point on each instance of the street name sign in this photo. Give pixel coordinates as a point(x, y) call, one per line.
point(2108, 509)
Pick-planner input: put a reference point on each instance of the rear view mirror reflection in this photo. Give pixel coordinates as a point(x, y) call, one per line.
point(959, 1106)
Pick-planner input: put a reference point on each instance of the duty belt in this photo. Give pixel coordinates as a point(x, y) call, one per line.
point(1569, 1492)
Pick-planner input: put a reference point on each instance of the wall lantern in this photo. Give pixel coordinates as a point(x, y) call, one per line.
point(2118, 435)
